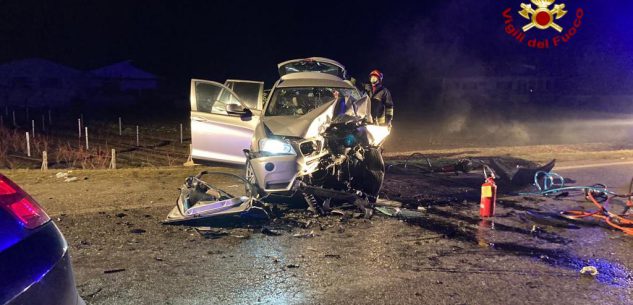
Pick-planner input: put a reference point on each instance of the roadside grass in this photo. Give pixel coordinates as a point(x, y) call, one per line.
point(536, 153)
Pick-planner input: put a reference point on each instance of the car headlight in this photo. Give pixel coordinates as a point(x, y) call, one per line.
point(276, 147)
point(377, 134)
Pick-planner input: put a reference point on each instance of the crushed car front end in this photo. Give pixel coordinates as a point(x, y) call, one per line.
point(279, 163)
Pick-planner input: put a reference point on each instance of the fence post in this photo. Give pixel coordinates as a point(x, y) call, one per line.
point(137, 136)
point(190, 158)
point(120, 126)
point(33, 128)
point(79, 127)
point(180, 133)
point(113, 160)
point(44, 161)
point(28, 144)
point(87, 146)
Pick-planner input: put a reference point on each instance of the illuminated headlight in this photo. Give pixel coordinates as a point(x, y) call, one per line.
point(276, 147)
point(377, 134)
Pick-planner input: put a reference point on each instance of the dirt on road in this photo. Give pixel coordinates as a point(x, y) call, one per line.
point(442, 254)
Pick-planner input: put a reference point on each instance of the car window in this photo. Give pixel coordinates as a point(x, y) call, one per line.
point(211, 98)
point(248, 92)
point(226, 97)
point(297, 101)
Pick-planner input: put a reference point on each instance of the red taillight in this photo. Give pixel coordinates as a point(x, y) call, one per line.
point(20, 205)
point(29, 213)
point(6, 189)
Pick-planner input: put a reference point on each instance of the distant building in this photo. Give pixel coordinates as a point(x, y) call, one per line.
point(124, 77)
point(38, 82)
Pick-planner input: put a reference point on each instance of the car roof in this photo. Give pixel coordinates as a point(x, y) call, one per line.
point(312, 79)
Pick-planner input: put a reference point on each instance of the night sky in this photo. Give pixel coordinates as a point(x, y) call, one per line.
point(216, 40)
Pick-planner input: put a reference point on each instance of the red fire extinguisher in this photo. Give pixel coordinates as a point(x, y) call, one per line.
point(488, 196)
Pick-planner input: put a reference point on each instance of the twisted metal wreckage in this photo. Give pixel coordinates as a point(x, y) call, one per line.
point(200, 199)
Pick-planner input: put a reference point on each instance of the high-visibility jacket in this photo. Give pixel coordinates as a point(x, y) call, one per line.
point(381, 105)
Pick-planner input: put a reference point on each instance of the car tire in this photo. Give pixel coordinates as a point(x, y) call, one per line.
point(252, 188)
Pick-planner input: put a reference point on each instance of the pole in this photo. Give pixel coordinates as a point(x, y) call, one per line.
point(137, 137)
point(28, 144)
point(44, 161)
point(33, 128)
point(120, 127)
point(14, 122)
point(180, 133)
point(190, 157)
point(113, 160)
point(79, 126)
point(87, 146)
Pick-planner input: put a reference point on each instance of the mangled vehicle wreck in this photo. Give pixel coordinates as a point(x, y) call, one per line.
point(313, 138)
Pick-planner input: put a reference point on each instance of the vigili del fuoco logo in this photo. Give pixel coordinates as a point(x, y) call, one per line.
point(552, 20)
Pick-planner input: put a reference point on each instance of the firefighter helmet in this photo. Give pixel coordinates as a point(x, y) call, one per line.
point(376, 73)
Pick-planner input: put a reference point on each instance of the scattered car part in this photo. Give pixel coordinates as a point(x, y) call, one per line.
point(200, 200)
point(547, 218)
point(519, 176)
point(460, 166)
point(589, 270)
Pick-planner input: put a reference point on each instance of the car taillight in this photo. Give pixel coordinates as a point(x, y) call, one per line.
point(15, 201)
point(6, 189)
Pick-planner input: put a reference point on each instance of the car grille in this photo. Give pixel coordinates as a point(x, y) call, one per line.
point(276, 186)
point(310, 148)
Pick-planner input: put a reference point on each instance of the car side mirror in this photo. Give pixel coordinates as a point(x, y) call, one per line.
point(236, 109)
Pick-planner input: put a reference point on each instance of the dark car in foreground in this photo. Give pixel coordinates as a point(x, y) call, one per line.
point(35, 265)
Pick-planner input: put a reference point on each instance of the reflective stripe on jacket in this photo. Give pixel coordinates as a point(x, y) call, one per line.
point(381, 105)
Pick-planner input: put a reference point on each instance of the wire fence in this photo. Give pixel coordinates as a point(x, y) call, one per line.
point(54, 138)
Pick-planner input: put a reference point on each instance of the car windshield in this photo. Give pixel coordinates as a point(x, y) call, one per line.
point(311, 66)
point(297, 101)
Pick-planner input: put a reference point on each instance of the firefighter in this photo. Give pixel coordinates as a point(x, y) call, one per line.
point(381, 102)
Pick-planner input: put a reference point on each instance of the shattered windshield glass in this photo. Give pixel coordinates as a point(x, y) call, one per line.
point(311, 66)
point(298, 101)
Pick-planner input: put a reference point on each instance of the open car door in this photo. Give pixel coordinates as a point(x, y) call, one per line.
point(312, 64)
point(251, 93)
point(218, 135)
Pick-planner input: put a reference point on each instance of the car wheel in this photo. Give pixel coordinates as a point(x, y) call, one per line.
point(252, 188)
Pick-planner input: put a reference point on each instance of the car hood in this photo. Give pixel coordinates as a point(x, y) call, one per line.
point(308, 125)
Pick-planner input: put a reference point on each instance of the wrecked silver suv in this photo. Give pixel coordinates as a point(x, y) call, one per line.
point(312, 137)
point(315, 139)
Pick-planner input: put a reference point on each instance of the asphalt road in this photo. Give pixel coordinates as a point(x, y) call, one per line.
point(122, 254)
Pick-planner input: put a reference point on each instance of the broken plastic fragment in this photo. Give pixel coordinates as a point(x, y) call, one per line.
point(589, 270)
point(61, 175)
point(306, 235)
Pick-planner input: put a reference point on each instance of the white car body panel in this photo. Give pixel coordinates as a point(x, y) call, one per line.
point(218, 136)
